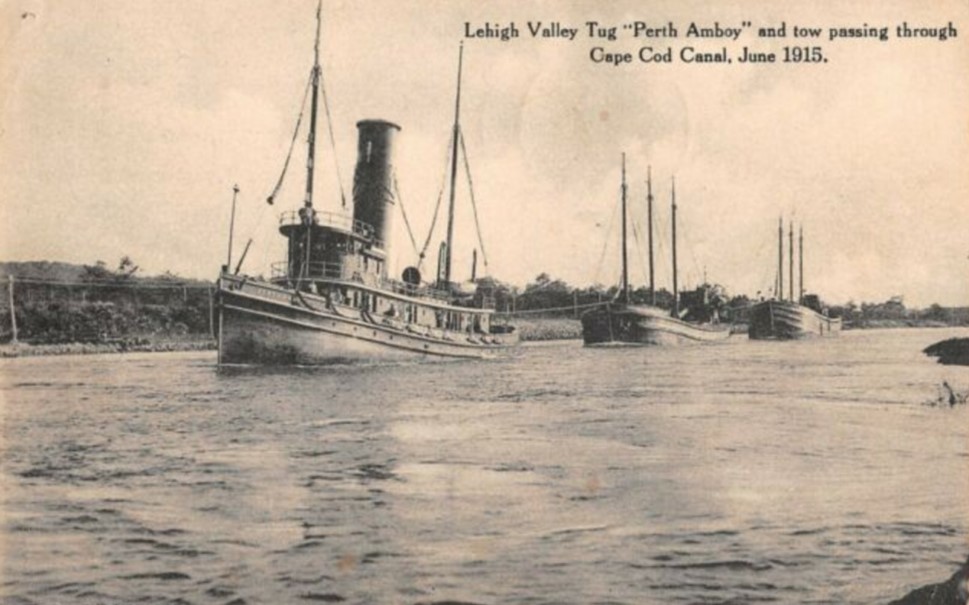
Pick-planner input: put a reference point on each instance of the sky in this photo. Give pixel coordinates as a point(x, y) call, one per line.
point(124, 125)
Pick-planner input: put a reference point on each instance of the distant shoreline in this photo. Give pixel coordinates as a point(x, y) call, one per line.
point(877, 324)
point(535, 329)
point(567, 328)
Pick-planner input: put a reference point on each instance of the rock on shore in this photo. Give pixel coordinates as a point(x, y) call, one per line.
point(954, 351)
point(951, 592)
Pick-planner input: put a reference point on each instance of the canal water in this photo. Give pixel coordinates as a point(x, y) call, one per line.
point(805, 472)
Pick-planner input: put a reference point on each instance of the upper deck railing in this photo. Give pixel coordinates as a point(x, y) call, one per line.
point(334, 220)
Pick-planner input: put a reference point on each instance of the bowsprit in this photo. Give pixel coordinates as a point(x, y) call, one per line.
point(716, 31)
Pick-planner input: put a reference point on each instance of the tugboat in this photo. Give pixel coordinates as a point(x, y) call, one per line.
point(622, 322)
point(331, 300)
point(790, 319)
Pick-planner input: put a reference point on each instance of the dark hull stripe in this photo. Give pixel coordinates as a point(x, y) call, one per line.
point(776, 320)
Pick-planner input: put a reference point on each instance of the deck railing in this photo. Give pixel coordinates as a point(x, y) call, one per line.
point(315, 269)
point(323, 270)
point(334, 220)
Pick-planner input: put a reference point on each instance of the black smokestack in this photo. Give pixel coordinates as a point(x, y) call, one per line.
point(373, 179)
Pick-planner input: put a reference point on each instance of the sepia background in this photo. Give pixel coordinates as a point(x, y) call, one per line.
point(827, 471)
point(125, 125)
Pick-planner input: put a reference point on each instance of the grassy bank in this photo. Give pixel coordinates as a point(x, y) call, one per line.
point(548, 328)
point(877, 324)
point(90, 348)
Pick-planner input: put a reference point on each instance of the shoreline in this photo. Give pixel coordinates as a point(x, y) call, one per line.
point(533, 330)
point(20, 349)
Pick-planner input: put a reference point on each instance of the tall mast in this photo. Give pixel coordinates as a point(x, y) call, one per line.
point(676, 294)
point(311, 140)
point(649, 218)
point(800, 258)
point(454, 170)
point(791, 263)
point(780, 259)
point(309, 214)
point(625, 262)
point(232, 226)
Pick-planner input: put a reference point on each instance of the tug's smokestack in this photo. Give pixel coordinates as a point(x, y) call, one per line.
point(373, 179)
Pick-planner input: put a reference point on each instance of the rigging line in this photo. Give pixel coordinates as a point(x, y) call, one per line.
point(701, 270)
point(550, 309)
point(605, 243)
point(437, 208)
point(766, 270)
point(688, 243)
point(292, 145)
point(663, 246)
point(639, 249)
point(260, 221)
point(766, 282)
point(258, 226)
point(304, 269)
point(400, 199)
point(618, 280)
point(474, 207)
point(329, 128)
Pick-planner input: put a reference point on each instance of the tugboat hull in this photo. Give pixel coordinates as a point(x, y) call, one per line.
point(269, 325)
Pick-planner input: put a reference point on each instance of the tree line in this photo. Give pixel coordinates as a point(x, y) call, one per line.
point(58, 303)
point(555, 297)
